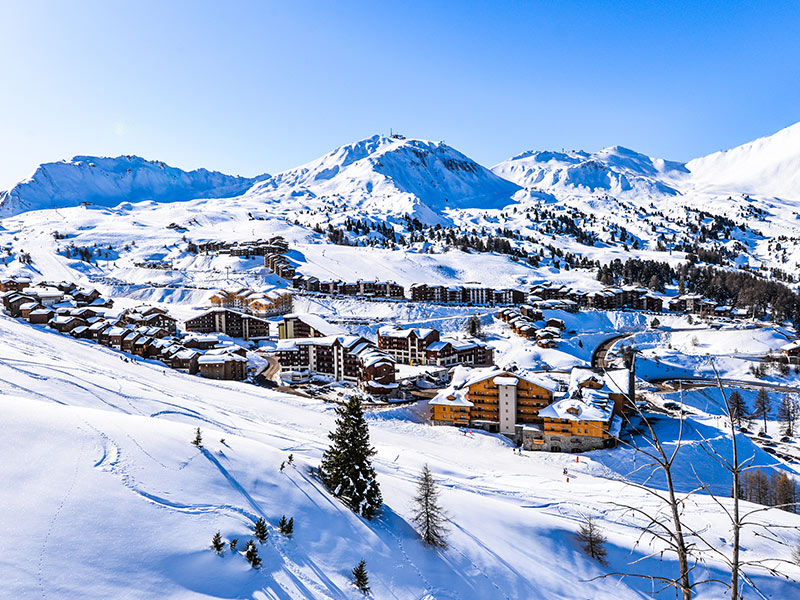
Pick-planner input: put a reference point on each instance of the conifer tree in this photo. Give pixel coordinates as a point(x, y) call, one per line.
point(217, 544)
point(738, 407)
point(474, 327)
point(260, 530)
point(198, 438)
point(233, 544)
point(428, 516)
point(787, 413)
point(346, 468)
point(762, 406)
point(360, 577)
point(251, 554)
point(286, 526)
point(592, 540)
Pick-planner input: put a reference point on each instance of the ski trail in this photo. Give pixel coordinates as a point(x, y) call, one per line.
point(51, 526)
point(327, 589)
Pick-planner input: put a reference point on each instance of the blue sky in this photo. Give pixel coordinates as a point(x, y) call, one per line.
point(251, 87)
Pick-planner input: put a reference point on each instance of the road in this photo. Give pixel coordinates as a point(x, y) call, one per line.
point(599, 355)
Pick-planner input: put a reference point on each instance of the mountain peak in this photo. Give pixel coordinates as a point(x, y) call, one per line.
point(109, 181)
point(397, 176)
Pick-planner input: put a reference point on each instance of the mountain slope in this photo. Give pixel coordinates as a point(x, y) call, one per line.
point(109, 181)
point(768, 166)
point(614, 170)
point(396, 176)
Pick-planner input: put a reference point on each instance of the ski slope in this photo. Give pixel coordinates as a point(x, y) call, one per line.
point(104, 496)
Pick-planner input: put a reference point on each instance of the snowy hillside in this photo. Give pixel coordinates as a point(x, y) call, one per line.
point(118, 503)
point(386, 175)
point(110, 181)
point(768, 166)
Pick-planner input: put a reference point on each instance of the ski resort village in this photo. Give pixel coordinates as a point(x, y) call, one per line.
point(398, 373)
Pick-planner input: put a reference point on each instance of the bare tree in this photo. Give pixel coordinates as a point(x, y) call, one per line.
point(592, 540)
point(665, 523)
point(732, 509)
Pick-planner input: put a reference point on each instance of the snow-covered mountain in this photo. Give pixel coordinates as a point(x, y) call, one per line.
point(110, 181)
point(614, 170)
point(396, 176)
point(768, 166)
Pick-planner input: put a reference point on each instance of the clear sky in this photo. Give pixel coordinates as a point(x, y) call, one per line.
point(252, 87)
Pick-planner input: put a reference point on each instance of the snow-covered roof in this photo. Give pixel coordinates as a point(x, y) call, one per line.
point(574, 409)
point(398, 332)
point(505, 380)
point(317, 323)
point(451, 397)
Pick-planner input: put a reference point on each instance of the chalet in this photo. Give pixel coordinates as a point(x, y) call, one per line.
point(200, 342)
point(115, 336)
point(529, 312)
point(65, 323)
point(791, 351)
point(26, 308)
point(230, 322)
point(85, 297)
point(40, 316)
point(150, 316)
point(339, 358)
point(304, 325)
point(186, 360)
point(448, 352)
point(225, 365)
point(407, 346)
point(583, 421)
point(15, 284)
point(13, 301)
point(80, 332)
point(142, 346)
point(126, 345)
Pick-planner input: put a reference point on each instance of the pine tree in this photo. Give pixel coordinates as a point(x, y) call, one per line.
point(428, 516)
point(260, 530)
point(233, 544)
point(762, 406)
point(198, 438)
point(738, 407)
point(217, 544)
point(346, 468)
point(286, 527)
point(251, 554)
point(592, 540)
point(474, 327)
point(787, 413)
point(360, 577)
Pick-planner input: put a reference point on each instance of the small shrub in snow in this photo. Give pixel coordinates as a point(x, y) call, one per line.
point(251, 554)
point(360, 577)
point(217, 544)
point(198, 438)
point(260, 530)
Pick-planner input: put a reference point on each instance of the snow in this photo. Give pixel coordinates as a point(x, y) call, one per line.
point(111, 181)
point(104, 496)
point(117, 456)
